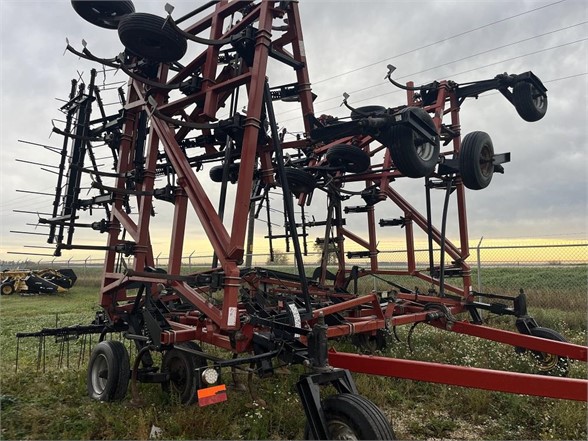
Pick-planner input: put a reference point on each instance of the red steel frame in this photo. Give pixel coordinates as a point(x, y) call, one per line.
point(366, 313)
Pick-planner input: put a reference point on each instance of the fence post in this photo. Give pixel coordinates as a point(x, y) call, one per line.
point(157, 261)
point(190, 259)
point(479, 264)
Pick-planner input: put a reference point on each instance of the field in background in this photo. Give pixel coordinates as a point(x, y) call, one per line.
point(54, 405)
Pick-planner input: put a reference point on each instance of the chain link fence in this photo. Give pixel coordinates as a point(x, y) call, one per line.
point(553, 275)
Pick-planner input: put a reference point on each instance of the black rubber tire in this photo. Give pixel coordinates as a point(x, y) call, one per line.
point(349, 158)
point(216, 173)
point(108, 371)
point(476, 160)
point(6, 289)
point(411, 155)
point(299, 181)
point(146, 36)
point(549, 364)
point(104, 13)
point(181, 366)
point(530, 103)
point(124, 371)
point(351, 416)
point(360, 112)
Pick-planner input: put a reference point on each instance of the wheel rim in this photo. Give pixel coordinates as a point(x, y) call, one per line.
point(104, 13)
point(178, 374)
point(424, 149)
point(6, 290)
point(99, 374)
point(486, 161)
point(546, 362)
point(340, 430)
point(538, 98)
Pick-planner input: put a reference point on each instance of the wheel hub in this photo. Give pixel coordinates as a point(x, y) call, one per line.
point(99, 374)
point(424, 149)
point(339, 430)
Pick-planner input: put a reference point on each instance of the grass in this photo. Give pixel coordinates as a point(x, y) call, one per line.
point(54, 404)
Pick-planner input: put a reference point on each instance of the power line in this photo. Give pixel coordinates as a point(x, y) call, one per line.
point(460, 73)
point(450, 62)
point(424, 47)
point(553, 80)
point(439, 41)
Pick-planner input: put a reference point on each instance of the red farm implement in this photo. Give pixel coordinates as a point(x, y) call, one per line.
point(180, 141)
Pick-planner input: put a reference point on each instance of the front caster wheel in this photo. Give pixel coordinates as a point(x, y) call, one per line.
point(476, 160)
point(103, 13)
point(299, 181)
point(216, 173)
point(181, 366)
point(530, 103)
point(367, 111)
point(413, 155)
point(108, 371)
point(151, 37)
point(353, 417)
point(348, 158)
point(550, 364)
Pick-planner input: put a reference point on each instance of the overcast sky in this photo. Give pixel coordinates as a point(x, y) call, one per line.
point(348, 45)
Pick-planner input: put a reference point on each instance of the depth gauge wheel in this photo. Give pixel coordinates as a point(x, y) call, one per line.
point(353, 417)
point(550, 364)
point(530, 103)
point(361, 112)
point(476, 160)
point(349, 158)
point(299, 181)
point(413, 156)
point(181, 367)
point(105, 13)
point(151, 37)
point(216, 173)
point(6, 289)
point(108, 371)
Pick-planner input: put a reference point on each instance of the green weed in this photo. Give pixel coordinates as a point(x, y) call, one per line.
point(54, 404)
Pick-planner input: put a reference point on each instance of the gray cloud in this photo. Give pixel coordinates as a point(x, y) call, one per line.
point(543, 191)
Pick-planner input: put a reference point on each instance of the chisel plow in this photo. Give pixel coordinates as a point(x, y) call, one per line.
point(196, 131)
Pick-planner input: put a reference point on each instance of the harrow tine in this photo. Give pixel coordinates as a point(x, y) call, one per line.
point(39, 354)
point(409, 337)
point(44, 354)
point(17, 350)
point(60, 356)
point(82, 350)
point(396, 334)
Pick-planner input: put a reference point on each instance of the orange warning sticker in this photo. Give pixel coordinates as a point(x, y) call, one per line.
point(212, 395)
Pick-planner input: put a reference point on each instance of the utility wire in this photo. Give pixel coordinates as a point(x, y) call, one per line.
point(554, 80)
point(420, 48)
point(448, 63)
point(439, 41)
point(456, 74)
